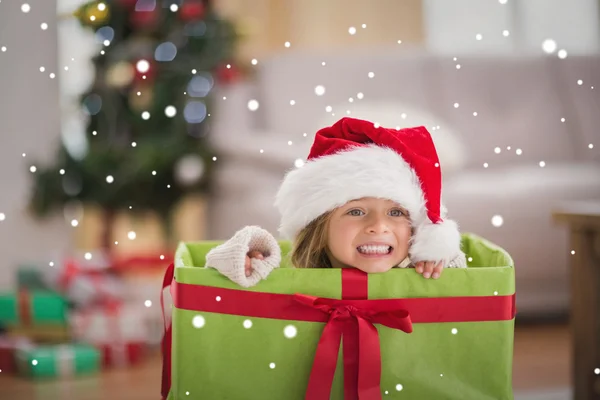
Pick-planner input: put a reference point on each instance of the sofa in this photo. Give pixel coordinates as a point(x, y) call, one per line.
point(516, 135)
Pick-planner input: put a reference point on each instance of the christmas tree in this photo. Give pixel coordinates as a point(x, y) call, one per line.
point(148, 109)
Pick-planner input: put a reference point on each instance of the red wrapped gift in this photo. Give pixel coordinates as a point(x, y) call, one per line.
point(110, 323)
point(142, 276)
point(118, 330)
point(8, 348)
point(87, 282)
point(122, 354)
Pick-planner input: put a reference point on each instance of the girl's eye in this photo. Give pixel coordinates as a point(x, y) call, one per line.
point(397, 212)
point(394, 213)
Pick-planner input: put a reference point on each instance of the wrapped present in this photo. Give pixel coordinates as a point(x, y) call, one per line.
point(121, 354)
point(118, 330)
point(110, 323)
point(89, 261)
point(8, 349)
point(31, 281)
point(61, 360)
point(340, 333)
point(28, 308)
point(142, 277)
point(86, 283)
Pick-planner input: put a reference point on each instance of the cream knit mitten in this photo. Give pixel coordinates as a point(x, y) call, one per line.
point(229, 258)
point(459, 261)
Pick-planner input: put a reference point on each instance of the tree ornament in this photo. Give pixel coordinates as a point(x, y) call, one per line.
point(127, 3)
point(144, 70)
point(189, 170)
point(145, 20)
point(141, 97)
point(191, 11)
point(227, 73)
point(119, 75)
point(92, 15)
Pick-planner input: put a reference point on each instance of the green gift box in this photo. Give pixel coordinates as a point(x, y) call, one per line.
point(340, 333)
point(61, 360)
point(36, 307)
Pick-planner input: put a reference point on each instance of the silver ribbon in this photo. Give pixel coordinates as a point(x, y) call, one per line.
point(65, 360)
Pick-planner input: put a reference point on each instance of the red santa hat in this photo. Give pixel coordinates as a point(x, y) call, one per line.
point(354, 159)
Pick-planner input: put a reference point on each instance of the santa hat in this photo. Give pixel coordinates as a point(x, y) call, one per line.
point(354, 159)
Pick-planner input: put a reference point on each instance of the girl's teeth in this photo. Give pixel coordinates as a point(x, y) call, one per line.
point(374, 249)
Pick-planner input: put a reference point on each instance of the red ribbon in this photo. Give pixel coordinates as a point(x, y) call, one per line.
point(166, 342)
point(355, 321)
point(71, 271)
point(24, 306)
point(355, 286)
point(140, 262)
point(351, 318)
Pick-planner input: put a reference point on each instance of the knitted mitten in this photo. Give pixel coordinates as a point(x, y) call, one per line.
point(229, 258)
point(460, 261)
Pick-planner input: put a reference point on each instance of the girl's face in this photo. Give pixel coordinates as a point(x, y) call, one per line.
point(369, 234)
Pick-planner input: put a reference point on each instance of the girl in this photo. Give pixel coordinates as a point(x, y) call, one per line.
point(368, 198)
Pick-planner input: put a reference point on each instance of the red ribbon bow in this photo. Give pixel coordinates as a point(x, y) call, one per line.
point(354, 320)
point(72, 270)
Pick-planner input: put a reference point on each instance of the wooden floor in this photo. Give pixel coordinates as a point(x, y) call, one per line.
point(541, 361)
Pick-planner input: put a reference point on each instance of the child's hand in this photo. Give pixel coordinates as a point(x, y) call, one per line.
point(247, 258)
point(248, 266)
point(429, 269)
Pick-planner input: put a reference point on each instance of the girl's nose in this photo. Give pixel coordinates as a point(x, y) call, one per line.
point(377, 225)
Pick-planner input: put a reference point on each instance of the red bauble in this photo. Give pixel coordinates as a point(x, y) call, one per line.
point(227, 75)
point(127, 3)
point(150, 74)
point(191, 10)
point(144, 19)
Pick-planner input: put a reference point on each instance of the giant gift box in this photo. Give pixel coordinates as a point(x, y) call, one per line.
point(341, 334)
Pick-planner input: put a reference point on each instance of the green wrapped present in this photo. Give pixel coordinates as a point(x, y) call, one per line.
point(340, 333)
point(57, 361)
point(37, 307)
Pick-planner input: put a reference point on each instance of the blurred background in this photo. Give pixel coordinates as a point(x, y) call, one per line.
point(129, 125)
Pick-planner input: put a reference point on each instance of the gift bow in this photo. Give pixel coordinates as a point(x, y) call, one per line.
point(70, 271)
point(354, 319)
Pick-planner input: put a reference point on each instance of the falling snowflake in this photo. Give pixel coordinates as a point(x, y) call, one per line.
point(290, 331)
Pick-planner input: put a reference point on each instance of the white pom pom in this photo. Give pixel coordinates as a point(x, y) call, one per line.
point(435, 242)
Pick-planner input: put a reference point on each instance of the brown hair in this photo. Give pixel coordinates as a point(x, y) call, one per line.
point(310, 245)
